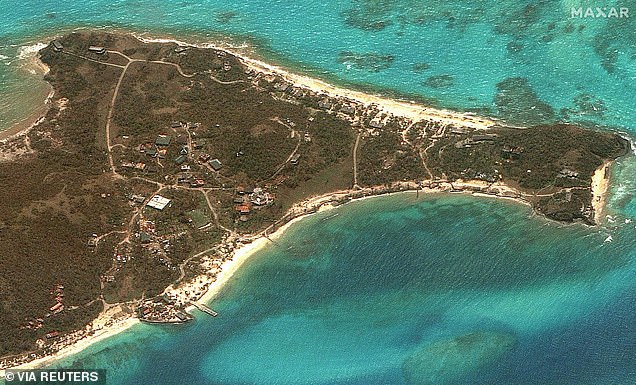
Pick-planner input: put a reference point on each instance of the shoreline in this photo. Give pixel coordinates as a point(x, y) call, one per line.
point(25, 125)
point(398, 107)
point(239, 256)
point(211, 286)
point(416, 111)
point(600, 187)
point(79, 345)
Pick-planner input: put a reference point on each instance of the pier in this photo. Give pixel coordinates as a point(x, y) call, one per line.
point(205, 309)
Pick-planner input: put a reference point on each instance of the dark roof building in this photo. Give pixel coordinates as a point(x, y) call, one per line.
point(96, 49)
point(163, 140)
point(152, 151)
point(216, 164)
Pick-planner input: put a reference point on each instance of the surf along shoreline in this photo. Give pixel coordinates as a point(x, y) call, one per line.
point(109, 324)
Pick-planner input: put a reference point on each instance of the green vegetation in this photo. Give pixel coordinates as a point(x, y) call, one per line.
point(233, 150)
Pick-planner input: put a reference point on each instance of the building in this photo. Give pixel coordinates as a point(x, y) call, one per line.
point(181, 159)
point(152, 151)
point(158, 202)
point(325, 104)
point(57, 46)
point(144, 237)
point(376, 123)
point(163, 140)
point(348, 109)
point(175, 124)
point(216, 164)
point(294, 159)
point(97, 49)
point(484, 138)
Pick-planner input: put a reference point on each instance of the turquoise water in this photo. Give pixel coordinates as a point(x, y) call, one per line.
point(461, 54)
point(444, 289)
point(398, 290)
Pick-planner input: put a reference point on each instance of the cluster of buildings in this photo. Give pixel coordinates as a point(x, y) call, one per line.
point(58, 295)
point(247, 198)
point(476, 140)
point(162, 309)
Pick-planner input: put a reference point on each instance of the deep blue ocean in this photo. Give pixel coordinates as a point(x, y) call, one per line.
point(442, 289)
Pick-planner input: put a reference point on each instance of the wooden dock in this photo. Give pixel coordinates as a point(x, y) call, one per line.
point(205, 309)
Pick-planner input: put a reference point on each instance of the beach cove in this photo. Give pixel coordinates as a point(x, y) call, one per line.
point(505, 293)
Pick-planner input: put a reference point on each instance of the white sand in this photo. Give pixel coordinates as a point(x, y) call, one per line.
point(80, 345)
point(413, 111)
point(600, 185)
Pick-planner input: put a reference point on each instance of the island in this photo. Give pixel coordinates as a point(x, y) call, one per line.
point(158, 164)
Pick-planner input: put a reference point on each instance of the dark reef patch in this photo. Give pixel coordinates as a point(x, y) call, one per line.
point(225, 17)
point(448, 360)
point(421, 67)
point(519, 22)
point(372, 62)
point(440, 81)
point(517, 103)
point(514, 46)
point(369, 15)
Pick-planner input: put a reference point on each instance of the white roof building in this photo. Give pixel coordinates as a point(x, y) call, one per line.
point(158, 202)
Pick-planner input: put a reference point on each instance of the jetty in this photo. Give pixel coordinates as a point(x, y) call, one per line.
point(205, 309)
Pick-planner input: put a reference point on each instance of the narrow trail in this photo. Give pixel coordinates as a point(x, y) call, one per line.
point(355, 161)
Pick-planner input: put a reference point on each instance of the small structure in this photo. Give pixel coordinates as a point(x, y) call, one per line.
point(180, 49)
point(175, 124)
point(244, 209)
point(152, 151)
point(348, 109)
point(163, 140)
point(144, 237)
point(282, 86)
point(52, 334)
point(511, 152)
point(294, 159)
point(57, 46)
point(158, 202)
point(484, 138)
point(567, 173)
point(325, 104)
point(216, 164)
point(97, 49)
point(375, 123)
point(138, 198)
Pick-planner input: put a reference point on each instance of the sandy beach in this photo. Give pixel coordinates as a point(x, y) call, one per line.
point(413, 111)
point(111, 323)
point(22, 127)
point(110, 328)
point(600, 185)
